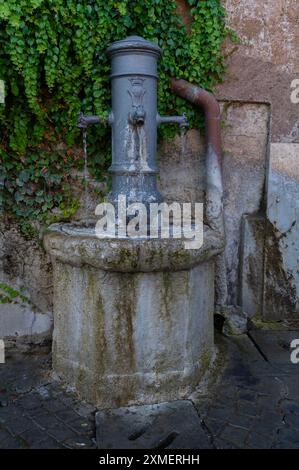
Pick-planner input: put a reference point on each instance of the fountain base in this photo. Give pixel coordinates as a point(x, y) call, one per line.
point(133, 320)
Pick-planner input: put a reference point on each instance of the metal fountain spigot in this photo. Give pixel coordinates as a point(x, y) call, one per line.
point(181, 120)
point(137, 117)
point(84, 121)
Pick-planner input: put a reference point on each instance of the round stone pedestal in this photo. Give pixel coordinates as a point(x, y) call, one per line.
point(133, 319)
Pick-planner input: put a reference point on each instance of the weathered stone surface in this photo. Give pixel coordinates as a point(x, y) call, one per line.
point(183, 179)
point(244, 169)
point(127, 254)
point(252, 264)
point(170, 425)
point(182, 168)
point(275, 345)
point(25, 267)
point(245, 140)
point(20, 321)
point(235, 320)
point(127, 338)
point(281, 290)
point(262, 67)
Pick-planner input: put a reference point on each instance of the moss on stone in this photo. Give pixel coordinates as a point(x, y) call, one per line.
point(128, 258)
point(259, 323)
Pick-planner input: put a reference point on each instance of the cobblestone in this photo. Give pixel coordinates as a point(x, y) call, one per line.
point(255, 402)
point(36, 412)
point(249, 402)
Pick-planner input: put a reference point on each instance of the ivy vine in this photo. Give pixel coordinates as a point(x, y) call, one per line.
point(53, 62)
point(12, 296)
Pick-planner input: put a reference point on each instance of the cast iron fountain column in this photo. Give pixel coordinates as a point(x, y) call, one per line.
point(134, 120)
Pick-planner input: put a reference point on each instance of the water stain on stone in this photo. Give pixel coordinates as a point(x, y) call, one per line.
point(280, 293)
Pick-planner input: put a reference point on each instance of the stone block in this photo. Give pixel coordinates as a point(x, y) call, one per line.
point(252, 264)
point(135, 328)
point(168, 425)
point(245, 140)
point(281, 289)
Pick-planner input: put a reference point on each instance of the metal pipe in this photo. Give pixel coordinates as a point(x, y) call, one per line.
point(181, 120)
point(214, 186)
point(214, 189)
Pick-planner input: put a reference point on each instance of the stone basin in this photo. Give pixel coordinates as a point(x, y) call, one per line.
point(78, 245)
point(133, 318)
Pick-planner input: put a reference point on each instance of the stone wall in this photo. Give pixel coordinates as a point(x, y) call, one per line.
point(25, 267)
point(263, 66)
point(245, 141)
point(245, 138)
point(261, 179)
point(260, 71)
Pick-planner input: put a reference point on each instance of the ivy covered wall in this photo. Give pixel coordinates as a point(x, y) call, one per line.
point(53, 62)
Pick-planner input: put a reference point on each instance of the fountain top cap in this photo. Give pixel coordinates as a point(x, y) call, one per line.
point(133, 44)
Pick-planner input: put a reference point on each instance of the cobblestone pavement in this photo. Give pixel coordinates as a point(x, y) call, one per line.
point(256, 401)
point(36, 413)
point(251, 400)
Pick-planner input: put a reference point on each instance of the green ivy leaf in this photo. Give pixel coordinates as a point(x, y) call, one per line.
point(53, 59)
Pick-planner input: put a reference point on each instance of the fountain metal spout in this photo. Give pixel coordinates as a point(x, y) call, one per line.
point(138, 116)
point(181, 120)
point(84, 121)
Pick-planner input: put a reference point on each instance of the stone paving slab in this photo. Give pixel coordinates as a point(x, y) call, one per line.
point(36, 412)
point(275, 345)
point(255, 403)
point(249, 402)
point(171, 425)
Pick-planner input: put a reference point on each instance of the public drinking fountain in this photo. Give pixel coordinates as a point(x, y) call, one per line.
point(133, 317)
point(134, 120)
